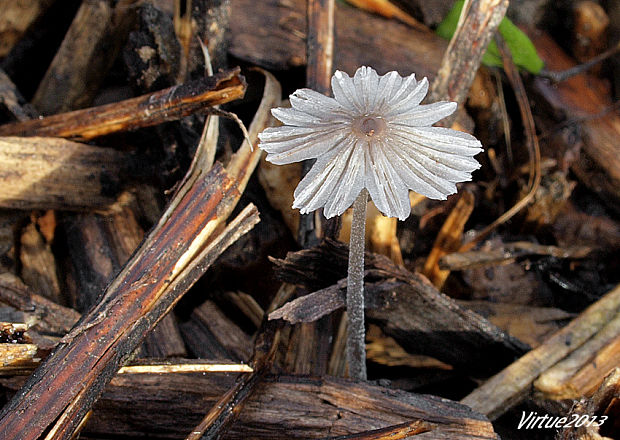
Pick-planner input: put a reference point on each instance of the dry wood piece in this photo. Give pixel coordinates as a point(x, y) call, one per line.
point(92, 257)
point(39, 265)
point(84, 57)
point(449, 239)
point(405, 305)
point(509, 386)
point(247, 305)
point(170, 260)
point(144, 111)
point(49, 173)
point(97, 246)
point(52, 319)
point(479, 20)
point(282, 408)
point(274, 36)
point(16, 358)
point(209, 334)
point(175, 366)
point(165, 341)
point(583, 371)
point(151, 54)
point(585, 101)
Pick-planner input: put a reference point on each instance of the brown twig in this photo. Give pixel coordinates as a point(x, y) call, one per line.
point(532, 147)
point(477, 25)
point(144, 111)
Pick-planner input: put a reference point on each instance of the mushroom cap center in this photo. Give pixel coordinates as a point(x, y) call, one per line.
point(369, 126)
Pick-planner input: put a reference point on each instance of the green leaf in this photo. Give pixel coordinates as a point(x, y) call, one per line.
point(521, 47)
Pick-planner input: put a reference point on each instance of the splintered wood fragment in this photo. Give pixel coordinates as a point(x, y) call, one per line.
point(247, 305)
point(405, 305)
point(15, 358)
point(509, 386)
point(210, 334)
point(584, 102)
point(477, 25)
point(39, 269)
point(12, 101)
point(396, 432)
point(278, 39)
point(175, 366)
point(286, 407)
point(169, 261)
point(449, 239)
point(165, 341)
point(83, 59)
point(51, 318)
point(144, 111)
point(22, 360)
point(384, 350)
point(50, 173)
point(582, 371)
point(600, 413)
point(508, 252)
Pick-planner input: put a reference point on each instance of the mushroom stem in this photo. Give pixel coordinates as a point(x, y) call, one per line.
point(356, 347)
